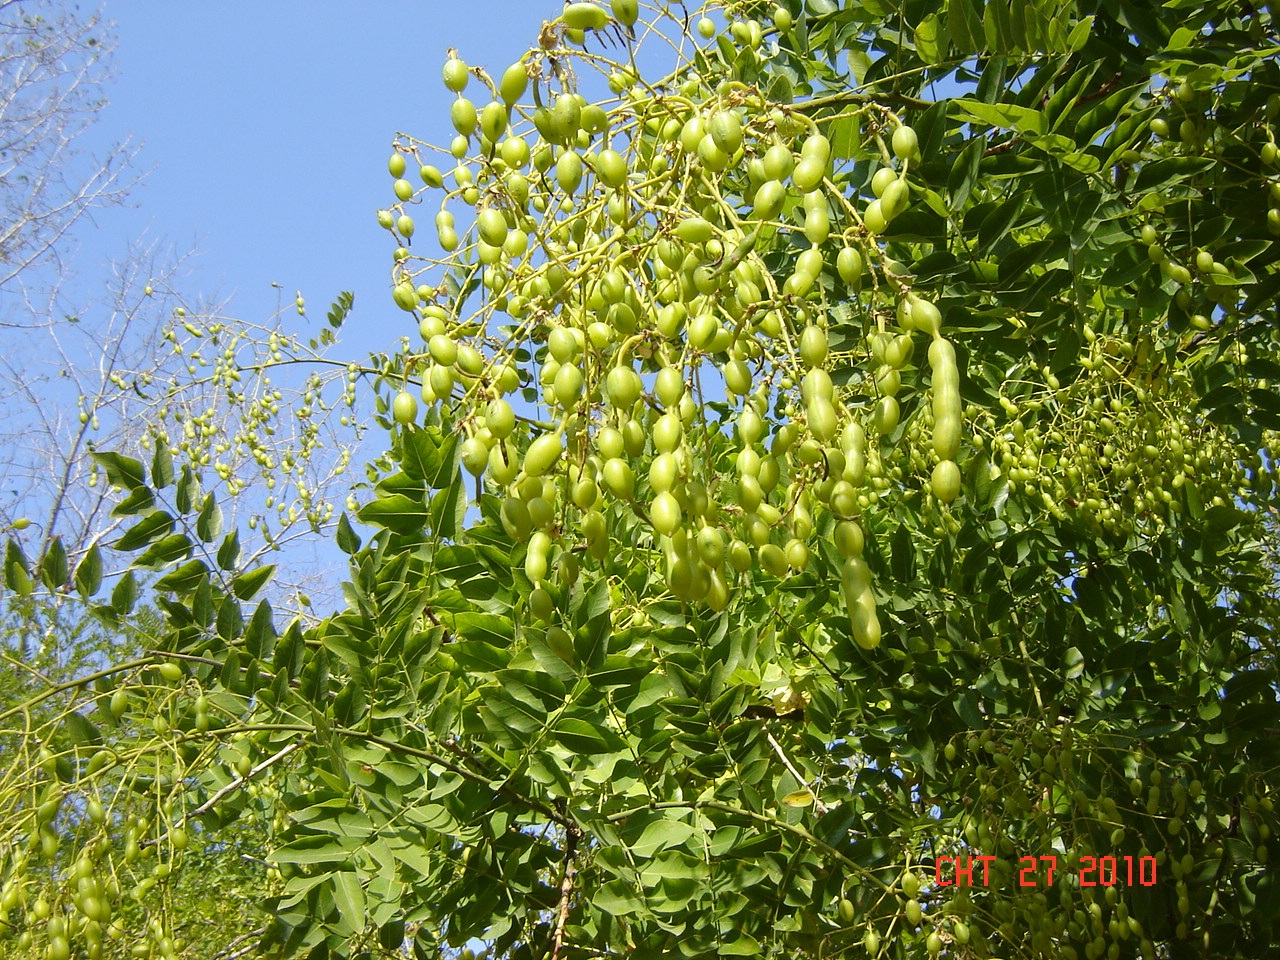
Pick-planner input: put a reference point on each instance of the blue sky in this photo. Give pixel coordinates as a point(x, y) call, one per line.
point(266, 129)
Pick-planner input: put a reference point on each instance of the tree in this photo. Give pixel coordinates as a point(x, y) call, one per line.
point(133, 366)
point(53, 64)
point(873, 560)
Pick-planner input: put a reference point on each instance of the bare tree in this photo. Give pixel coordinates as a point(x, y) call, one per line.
point(53, 64)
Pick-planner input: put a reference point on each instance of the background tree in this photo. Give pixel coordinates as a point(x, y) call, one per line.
point(134, 366)
point(886, 484)
point(53, 62)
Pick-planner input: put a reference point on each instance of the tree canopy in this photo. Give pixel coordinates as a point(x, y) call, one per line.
point(828, 511)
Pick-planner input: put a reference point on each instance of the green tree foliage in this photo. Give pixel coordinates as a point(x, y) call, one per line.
point(887, 480)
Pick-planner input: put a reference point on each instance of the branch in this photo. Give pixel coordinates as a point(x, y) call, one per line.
point(238, 782)
point(566, 891)
point(818, 805)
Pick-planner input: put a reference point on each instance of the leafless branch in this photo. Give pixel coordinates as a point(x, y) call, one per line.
point(53, 64)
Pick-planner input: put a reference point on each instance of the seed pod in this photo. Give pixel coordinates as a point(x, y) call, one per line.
point(515, 80)
point(584, 16)
point(849, 539)
point(821, 416)
point(947, 418)
point(535, 560)
point(569, 171)
point(665, 512)
point(611, 168)
point(813, 345)
point(808, 174)
point(817, 384)
point(816, 147)
point(884, 415)
point(492, 226)
point(778, 162)
point(898, 352)
point(493, 121)
point(946, 481)
point(768, 201)
point(463, 116)
point(895, 199)
point(626, 12)
point(726, 131)
point(874, 217)
point(619, 478)
point(925, 316)
point(947, 432)
point(849, 266)
point(694, 230)
point(405, 295)
point(855, 582)
point(474, 456)
point(542, 454)
point(455, 75)
point(906, 145)
point(853, 444)
point(817, 226)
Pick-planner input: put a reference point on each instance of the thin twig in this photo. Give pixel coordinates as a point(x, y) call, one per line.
point(238, 782)
point(229, 952)
point(818, 805)
point(566, 892)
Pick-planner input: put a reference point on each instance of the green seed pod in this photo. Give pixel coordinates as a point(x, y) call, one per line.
point(769, 199)
point(946, 481)
point(463, 116)
point(543, 454)
point(813, 345)
point(726, 131)
point(808, 174)
point(515, 80)
point(626, 12)
point(855, 582)
point(611, 168)
point(694, 230)
point(925, 316)
point(584, 16)
point(906, 145)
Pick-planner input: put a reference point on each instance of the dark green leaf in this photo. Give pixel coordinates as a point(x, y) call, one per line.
point(229, 551)
point(17, 572)
point(347, 540)
point(185, 578)
point(88, 574)
point(145, 532)
point(123, 473)
point(259, 638)
point(398, 513)
point(209, 522)
point(139, 500)
point(247, 584)
point(163, 552)
point(162, 465)
point(82, 731)
point(427, 456)
point(124, 594)
point(53, 565)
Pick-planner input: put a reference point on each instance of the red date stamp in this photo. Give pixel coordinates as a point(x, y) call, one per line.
point(970, 870)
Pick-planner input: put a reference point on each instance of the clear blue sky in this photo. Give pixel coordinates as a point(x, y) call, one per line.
point(266, 128)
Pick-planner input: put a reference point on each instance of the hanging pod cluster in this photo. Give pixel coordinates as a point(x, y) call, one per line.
point(638, 260)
